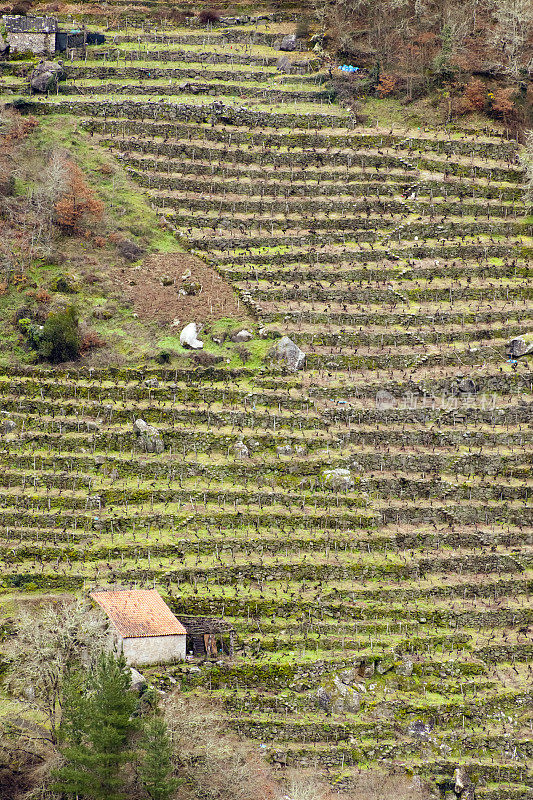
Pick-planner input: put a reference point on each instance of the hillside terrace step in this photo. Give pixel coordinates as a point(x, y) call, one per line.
point(422, 271)
point(314, 145)
point(182, 71)
point(466, 252)
point(175, 90)
point(166, 55)
point(75, 387)
point(233, 153)
point(248, 139)
point(339, 139)
point(492, 424)
point(368, 196)
point(288, 114)
point(409, 485)
point(354, 181)
point(87, 405)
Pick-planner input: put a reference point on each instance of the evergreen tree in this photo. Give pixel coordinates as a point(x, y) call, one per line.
point(96, 727)
point(155, 766)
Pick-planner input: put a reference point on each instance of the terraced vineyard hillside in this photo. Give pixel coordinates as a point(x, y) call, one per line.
point(383, 612)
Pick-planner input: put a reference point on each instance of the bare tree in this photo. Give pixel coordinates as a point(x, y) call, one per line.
point(514, 21)
point(46, 648)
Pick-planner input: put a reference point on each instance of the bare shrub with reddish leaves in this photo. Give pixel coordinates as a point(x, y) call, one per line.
point(42, 296)
point(474, 97)
point(502, 105)
point(77, 202)
point(91, 340)
point(386, 85)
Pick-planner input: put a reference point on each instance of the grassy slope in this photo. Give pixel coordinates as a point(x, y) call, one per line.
point(85, 264)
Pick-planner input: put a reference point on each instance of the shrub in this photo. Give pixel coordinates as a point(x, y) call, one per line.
point(62, 285)
point(303, 29)
point(205, 359)
point(59, 338)
point(31, 330)
point(77, 201)
point(243, 353)
point(386, 85)
point(90, 340)
point(474, 97)
point(502, 105)
point(129, 250)
point(475, 94)
point(209, 17)
point(42, 296)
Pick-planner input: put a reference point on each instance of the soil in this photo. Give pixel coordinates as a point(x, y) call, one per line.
point(154, 289)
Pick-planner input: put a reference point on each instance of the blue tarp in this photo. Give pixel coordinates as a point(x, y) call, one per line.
point(348, 68)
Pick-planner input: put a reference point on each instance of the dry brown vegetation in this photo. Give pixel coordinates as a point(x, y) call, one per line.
point(173, 286)
point(412, 47)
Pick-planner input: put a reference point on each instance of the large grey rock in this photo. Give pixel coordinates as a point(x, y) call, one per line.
point(338, 478)
point(385, 665)
point(419, 730)
point(324, 699)
point(344, 697)
point(189, 337)
point(284, 450)
point(288, 43)
point(149, 437)
point(284, 64)
point(520, 346)
point(289, 352)
point(7, 426)
point(46, 76)
point(3, 44)
point(138, 682)
point(385, 399)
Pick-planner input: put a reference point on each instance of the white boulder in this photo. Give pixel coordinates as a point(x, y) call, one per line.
point(189, 337)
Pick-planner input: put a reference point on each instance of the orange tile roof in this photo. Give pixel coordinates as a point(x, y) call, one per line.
point(139, 612)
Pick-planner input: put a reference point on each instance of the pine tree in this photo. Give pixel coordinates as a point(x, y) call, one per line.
point(96, 726)
point(155, 767)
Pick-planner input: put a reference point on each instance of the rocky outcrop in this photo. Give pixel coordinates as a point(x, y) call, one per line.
point(463, 786)
point(240, 450)
point(287, 351)
point(288, 43)
point(241, 336)
point(149, 437)
point(338, 478)
point(520, 346)
point(46, 76)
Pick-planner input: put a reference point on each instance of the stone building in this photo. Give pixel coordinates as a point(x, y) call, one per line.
point(143, 626)
point(43, 35)
point(31, 34)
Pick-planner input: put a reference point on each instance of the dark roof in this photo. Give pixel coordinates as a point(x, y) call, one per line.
point(16, 24)
point(138, 613)
point(200, 625)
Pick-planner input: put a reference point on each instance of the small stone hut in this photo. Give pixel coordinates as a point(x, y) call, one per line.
point(42, 35)
point(31, 34)
point(143, 626)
